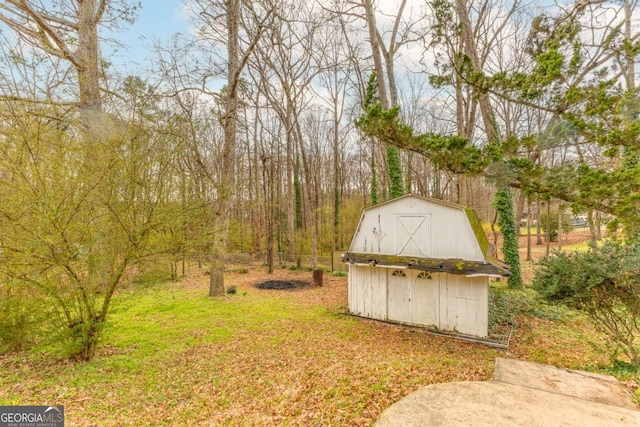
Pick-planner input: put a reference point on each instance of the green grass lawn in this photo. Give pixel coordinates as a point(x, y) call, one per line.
point(173, 356)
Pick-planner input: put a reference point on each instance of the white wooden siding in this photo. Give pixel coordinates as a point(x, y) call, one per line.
point(444, 233)
point(368, 292)
point(448, 302)
point(464, 304)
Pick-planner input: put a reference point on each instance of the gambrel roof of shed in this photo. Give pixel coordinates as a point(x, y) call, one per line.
point(455, 266)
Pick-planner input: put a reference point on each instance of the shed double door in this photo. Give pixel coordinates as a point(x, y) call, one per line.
point(412, 297)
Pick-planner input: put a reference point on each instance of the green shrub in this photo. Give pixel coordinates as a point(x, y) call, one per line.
point(27, 319)
point(604, 283)
point(338, 273)
point(16, 321)
point(508, 305)
point(232, 290)
point(502, 310)
point(81, 338)
point(623, 370)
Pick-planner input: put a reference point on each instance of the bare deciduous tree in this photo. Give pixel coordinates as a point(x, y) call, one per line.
point(238, 26)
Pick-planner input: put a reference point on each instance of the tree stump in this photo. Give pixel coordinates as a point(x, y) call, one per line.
point(317, 277)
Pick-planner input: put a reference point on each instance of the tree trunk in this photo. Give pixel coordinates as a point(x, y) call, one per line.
point(269, 191)
point(375, 51)
point(292, 197)
point(592, 228)
point(87, 54)
point(520, 203)
point(471, 50)
point(311, 198)
point(224, 187)
point(463, 196)
point(538, 225)
point(529, 217)
point(409, 176)
point(559, 226)
point(548, 231)
point(336, 181)
point(394, 169)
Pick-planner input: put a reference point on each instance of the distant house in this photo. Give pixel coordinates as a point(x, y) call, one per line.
point(421, 261)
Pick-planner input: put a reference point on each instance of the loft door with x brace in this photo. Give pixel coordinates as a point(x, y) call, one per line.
point(413, 235)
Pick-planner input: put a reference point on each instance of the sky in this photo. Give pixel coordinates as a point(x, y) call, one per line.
point(158, 21)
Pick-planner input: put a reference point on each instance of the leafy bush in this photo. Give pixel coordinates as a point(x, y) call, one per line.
point(623, 370)
point(26, 319)
point(502, 310)
point(82, 337)
point(232, 290)
point(507, 305)
point(603, 282)
point(16, 320)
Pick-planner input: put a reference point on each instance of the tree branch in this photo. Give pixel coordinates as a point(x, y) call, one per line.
point(46, 32)
point(100, 12)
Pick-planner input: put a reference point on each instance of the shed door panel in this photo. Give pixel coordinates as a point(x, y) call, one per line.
point(398, 296)
point(368, 292)
point(424, 301)
point(363, 297)
point(448, 304)
point(353, 290)
point(413, 235)
point(379, 294)
point(464, 305)
point(359, 291)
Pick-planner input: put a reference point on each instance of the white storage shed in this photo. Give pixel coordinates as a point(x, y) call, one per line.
point(422, 261)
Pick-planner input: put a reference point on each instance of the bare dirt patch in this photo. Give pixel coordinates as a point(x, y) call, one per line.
point(280, 285)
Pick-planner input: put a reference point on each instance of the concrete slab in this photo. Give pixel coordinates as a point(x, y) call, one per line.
point(494, 404)
point(521, 394)
point(583, 385)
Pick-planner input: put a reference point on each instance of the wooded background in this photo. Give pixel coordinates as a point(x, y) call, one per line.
point(269, 127)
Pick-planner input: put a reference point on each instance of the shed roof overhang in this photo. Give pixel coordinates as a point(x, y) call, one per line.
point(451, 266)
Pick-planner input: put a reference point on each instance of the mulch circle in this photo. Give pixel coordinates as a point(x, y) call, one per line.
point(282, 285)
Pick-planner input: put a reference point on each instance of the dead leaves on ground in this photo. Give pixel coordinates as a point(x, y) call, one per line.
point(314, 365)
